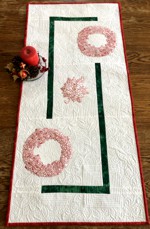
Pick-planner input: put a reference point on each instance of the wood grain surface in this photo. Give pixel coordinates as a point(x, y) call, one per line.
point(136, 21)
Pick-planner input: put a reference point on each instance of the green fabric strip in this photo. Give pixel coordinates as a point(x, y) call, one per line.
point(51, 58)
point(73, 18)
point(75, 189)
point(105, 171)
point(51, 72)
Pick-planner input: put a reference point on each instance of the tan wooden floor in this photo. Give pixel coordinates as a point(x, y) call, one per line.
point(136, 20)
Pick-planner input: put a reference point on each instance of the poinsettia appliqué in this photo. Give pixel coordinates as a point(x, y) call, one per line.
point(74, 90)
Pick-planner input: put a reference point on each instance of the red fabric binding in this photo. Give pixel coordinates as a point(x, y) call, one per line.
point(134, 121)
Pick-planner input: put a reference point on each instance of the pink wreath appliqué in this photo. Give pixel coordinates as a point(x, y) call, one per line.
point(93, 51)
point(33, 162)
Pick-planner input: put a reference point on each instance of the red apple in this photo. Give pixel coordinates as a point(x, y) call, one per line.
point(29, 55)
point(23, 74)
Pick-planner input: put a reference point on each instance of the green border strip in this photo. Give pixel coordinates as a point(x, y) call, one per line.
point(105, 172)
point(75, 189)
point(51, 58)
point(79, 189)
point(102, 127)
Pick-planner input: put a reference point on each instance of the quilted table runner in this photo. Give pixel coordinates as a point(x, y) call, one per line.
point(76, 154)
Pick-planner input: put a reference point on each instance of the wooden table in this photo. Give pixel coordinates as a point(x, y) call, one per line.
point(136, 20)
